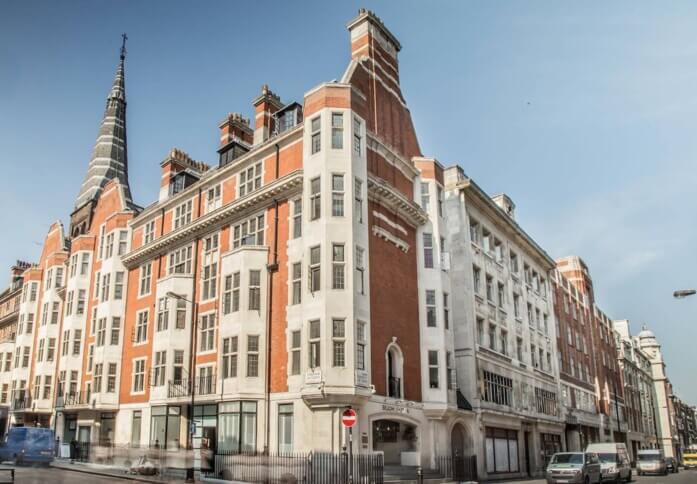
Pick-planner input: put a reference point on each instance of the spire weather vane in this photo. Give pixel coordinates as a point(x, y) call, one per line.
point(123, 45)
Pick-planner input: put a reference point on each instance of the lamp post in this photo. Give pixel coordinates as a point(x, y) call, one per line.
point(192, 387)
point(683, 293)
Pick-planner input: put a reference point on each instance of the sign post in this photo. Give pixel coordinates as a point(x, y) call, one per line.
point(348, 419)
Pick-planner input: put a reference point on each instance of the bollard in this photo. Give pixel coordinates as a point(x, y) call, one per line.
point(419, 475)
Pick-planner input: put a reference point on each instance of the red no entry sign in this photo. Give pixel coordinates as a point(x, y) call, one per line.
point(348, 418)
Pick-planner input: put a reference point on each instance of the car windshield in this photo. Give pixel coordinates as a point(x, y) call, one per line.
point(606, 458)
point(649, 457)
point(567, 459)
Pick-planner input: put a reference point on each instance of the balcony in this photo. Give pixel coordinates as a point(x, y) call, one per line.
point(21, 403)
point(75, 399)
point(202, 385)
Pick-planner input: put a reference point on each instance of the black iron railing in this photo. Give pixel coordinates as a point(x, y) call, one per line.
point(312, 468)
point(75, 398)
point(21, 402)
point(457, 468)
point(202, 385)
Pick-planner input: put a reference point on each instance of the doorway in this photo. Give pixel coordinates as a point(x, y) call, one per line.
point(394, 438)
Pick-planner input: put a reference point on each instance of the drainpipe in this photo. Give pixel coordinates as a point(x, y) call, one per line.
point(271, 268)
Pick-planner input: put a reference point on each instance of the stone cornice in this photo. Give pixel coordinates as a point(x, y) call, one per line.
point(387, 195)
point(280, 188)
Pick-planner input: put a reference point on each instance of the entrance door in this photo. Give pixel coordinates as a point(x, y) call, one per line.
point(83, 434)
point(394, 438)
point(69, 429)
point(527, 453)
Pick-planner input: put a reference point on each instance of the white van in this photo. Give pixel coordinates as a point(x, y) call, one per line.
point(614, 461)
point(651, 461)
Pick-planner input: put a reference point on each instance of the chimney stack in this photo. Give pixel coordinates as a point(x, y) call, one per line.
point(264, 107)
point(235, 127)
point(371, 39)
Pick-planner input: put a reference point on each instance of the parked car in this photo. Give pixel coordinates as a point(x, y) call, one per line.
point(672, 464)
point(573, 467)
point(689, 458)
point(614, 461)
point(651, 461)
point(28, 445)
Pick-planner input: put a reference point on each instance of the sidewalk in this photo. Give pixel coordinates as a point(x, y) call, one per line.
point(108, 471)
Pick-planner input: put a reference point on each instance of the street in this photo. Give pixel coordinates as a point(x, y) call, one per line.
point(683, 477)
point(45, 475)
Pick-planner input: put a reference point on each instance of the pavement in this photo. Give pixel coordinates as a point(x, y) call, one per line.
point(683, 477)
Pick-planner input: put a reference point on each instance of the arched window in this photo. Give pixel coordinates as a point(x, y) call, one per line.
point(394, 364)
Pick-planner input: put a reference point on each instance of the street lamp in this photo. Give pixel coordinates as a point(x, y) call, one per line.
point(192, 388)
point(683, 293)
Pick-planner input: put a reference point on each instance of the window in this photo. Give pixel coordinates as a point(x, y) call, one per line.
point(32, 294)
point(235, 303)
point(178, 369)
point(159, 368)
point(123, 242)
point(497, 389)
point(337, 131)
point(357, 137)
point(82, 297)
point(111, 378)
point(503, 341)
point(450, 372)
point(182, 214)
point(489, 288)
point(109, 245)
point(446, 310)
point(433, 369)
point(90, 357)
point(501, 448)
point(519, 349)
point(338, 195)
point(361, 340)
point(314, 270)
point(47, 387)
point(249, 232)
point(30, 323)
point(474, 232)
point(252, 356)
point(59, 277)
point(315, 198)
point(149, 232)
point(316, 134)
point(360, 271)
point(97, 378)
point(237, 422)
point(40, 351)
point(101, 332)
point(296, 278)
point(480, 331)
point(210, 280)
point(358, 200)
point(477, 279)
point(180, 321)
point(531, 320)
point(254, 290)
point(65, 342)
point(138, 375)
point(84, 263)
point(430, 308)
point(285, 428)
point(207, 333)
point(97, 279)
point(49, 278)
point(213, 198)
point(145, 277)
point(230, 357)
point(338, 343)
point(115, 330)
point(227, 294)
point(180, 261)
point(73, 265)
point(295, 341)
point(297, 218)
point(118, 286)
point(425, 197)
point(250, 179)
point(106, 281)
point(25, 356)
point(44, 315)
point(516, 305)
point(69, 303)
point(439, 193)
point(501, 291)
point(314, 345)
point(338, 278)
point(428, 250)
point(492, 337)
point(142, 326)
point(77, 341)
point(162, 314)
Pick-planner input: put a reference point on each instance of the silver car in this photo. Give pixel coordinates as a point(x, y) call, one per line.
point(651, 461)
point(573, 467)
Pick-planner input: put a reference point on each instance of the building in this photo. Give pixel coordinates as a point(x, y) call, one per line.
point(504, 330)
point(599, 357)
point(10, 300)
point(639, 396)
point(323, 261)
point(683, 426)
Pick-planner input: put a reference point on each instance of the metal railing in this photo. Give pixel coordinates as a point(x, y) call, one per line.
point(75, 398)
point(202, 385)
point(458, 468)
point(312, 468)
point(21, 403)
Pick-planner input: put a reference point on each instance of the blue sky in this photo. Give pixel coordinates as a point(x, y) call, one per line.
point(583, 112)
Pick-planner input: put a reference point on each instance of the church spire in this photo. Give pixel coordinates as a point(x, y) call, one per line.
point(110, 155)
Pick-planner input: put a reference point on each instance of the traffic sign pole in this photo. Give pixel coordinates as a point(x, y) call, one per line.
point(348, 419)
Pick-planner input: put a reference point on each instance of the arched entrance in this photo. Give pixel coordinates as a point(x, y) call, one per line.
point(396, 439)
point(457, 440)
point(464, 462)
